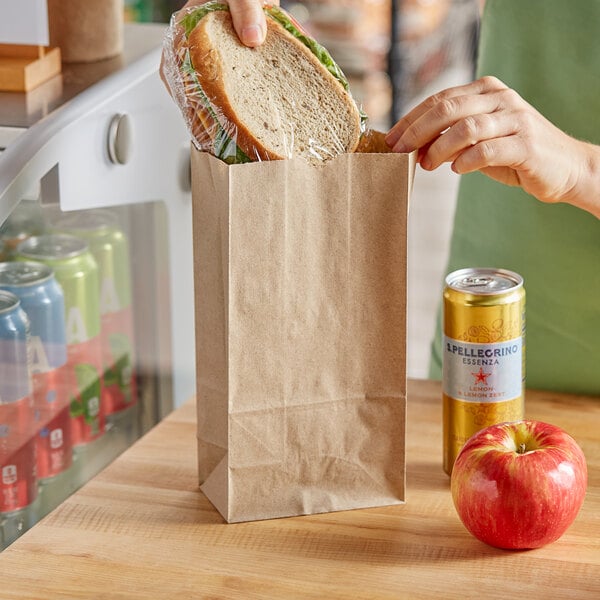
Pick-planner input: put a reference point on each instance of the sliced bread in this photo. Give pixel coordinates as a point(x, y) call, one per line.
point(275, 101)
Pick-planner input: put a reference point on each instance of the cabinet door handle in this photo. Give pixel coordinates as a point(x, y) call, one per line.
point(120, 139)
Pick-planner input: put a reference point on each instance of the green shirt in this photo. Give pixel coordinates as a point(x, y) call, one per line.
point(549, 52)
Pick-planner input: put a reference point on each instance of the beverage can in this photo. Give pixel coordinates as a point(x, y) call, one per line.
point(18, 483)
point(483, 367)
point(24, 221)
point(77, 273)
point(42, 300)
point(15, 367)
point(109, 246)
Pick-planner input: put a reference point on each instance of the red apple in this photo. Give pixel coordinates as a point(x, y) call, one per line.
point(519, 485)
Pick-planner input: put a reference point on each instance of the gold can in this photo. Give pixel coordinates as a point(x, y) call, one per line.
point(483, 363)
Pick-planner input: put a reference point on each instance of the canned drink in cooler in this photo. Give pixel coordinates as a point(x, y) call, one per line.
point(18, 483)
point(77, 273)
point(483, 354)
point(24, 221)
point(42, 300)
point(109, 245)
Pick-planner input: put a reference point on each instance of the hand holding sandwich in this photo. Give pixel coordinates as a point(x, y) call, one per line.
point(284, 97)
point(486, 126)
point(248, 22)
point(248, 19)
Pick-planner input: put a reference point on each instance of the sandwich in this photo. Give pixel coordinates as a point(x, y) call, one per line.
point(286, 98)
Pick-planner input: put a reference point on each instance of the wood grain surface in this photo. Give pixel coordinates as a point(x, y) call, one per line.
point(142, 529)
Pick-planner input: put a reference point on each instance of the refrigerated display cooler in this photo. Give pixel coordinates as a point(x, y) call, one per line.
point(96, 282)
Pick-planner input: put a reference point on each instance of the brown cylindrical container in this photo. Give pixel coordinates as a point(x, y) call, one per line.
point(86, 31)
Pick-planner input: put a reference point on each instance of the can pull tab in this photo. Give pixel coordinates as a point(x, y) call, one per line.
point(478, 282)
point(484, 280)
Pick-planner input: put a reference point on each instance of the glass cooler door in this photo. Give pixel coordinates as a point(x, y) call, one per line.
point(96, 296)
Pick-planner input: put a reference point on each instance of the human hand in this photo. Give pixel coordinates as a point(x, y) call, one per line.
point(486, 126)
point(248, 19)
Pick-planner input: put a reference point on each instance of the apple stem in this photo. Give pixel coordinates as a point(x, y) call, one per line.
point(522, 448)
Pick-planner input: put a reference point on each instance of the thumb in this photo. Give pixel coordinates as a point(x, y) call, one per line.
point(249, 21)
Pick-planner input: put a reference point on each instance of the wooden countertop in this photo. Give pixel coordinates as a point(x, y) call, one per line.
point(142, 529)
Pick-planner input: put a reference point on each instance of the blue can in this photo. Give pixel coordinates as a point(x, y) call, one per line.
point(18, 486)
point(43, 301)
point(15, 379)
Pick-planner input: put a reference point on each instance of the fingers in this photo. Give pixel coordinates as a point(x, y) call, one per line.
point(466, 133)
point(249, 21)
point(459, 115)
point(440, 106)
point(492, 155)
point(486, 126)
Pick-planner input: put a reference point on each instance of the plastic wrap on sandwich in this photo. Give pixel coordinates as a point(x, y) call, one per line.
point(286, 98)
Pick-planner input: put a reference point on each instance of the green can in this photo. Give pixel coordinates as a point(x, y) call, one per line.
point(76, 271)
point(110, 247)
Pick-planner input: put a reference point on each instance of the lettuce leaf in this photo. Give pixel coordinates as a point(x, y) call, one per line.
point(191, 19)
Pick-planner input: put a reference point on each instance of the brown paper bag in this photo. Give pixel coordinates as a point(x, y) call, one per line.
point(300, 284)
